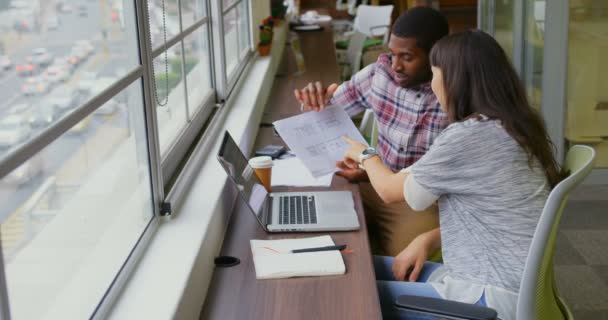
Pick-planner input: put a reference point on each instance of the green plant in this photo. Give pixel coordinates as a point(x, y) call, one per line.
point(190, 62)
point(172, 79)
point(265, 37)
point(176, 64)
point(266, 31)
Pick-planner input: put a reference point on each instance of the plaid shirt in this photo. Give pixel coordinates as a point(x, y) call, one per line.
point(409, 119)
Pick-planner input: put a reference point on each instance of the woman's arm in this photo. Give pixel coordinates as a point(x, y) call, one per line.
point(388, 184)
point(409, 262)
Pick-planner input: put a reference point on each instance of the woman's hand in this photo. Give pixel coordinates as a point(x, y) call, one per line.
point(411, 259)
point(354, 150)
point(388, 184)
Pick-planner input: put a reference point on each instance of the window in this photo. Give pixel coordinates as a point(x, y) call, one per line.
point(193, 11)
point(586, 118)
point(75, 210)
point(236, 37)
point(196, 61)
point(169, 86)
point(186, 59)
point(100, 102)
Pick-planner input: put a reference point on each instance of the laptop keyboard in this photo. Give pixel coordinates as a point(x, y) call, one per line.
point(297, 210)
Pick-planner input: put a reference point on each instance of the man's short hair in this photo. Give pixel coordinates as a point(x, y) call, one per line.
point(424, 24)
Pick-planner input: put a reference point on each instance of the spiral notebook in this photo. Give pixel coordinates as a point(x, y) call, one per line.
point(273, 260)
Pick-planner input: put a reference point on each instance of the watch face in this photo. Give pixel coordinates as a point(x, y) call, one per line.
point(369, 151)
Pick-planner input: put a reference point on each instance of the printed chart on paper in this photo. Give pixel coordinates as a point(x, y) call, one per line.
point(316, 138)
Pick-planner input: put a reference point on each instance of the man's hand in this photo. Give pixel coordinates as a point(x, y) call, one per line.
point(409, 262)
point(352, 172)
point(314, 96)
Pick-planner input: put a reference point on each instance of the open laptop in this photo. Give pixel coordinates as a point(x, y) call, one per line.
point(287, 211)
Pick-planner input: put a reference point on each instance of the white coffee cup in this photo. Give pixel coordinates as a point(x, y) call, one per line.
point(262, 166)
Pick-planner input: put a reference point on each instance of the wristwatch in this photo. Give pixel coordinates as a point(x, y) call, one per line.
point(366, 154)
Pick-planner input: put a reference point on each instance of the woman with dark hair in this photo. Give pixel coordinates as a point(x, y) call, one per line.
point(490, 171)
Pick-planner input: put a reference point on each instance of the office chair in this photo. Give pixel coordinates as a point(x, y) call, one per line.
point(373, 21)
point(351, 60)
point(538, 297)
point(369, 127)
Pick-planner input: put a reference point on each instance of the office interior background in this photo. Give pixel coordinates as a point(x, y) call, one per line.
point(108, 109)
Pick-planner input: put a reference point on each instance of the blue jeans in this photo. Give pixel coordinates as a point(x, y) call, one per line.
point(389, 289)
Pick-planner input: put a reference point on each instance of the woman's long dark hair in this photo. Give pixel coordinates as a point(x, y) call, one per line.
point(479, 79)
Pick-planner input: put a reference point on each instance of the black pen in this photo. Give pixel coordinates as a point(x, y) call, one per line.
point(326, 248)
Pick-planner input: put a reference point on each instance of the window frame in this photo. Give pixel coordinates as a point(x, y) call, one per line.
point(162, 168)
point(177, 150)
point(225, 82)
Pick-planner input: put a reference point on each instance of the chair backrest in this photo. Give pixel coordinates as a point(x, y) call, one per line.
point(373, 20)
point(538, 298)
point(341, 5)
point(369, 127)
point(355, 51)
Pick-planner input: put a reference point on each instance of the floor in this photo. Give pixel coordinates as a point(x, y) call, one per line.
point(581, 257)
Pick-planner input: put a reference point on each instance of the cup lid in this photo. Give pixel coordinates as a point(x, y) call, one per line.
point(261, 162)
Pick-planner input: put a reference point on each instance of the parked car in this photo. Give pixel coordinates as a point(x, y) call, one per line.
point(34, 86)
point(73, 60)
point(52, 23)
point(87, 81)
point(22, 26)
point(41, 57)
point(5, 62)
point(55, 74)
point(82, 10)
point(63, 99)
point(43, 116)
point(26, 69)
point(14, 129)
point(63, 63)
point(85, 45)
point(80, 53)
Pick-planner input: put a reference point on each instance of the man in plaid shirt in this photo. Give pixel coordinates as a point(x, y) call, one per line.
point(397, 88)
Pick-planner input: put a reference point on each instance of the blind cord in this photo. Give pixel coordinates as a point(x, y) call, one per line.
point(166, 98)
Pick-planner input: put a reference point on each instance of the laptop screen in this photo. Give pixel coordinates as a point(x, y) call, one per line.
point(248, 184)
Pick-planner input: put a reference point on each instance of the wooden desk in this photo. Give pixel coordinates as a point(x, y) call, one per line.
point(320, 65)
point(234, 292)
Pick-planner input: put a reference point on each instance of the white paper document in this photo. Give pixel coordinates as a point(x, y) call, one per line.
point(292, 172)
point(272, 258)
point(316, 138)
